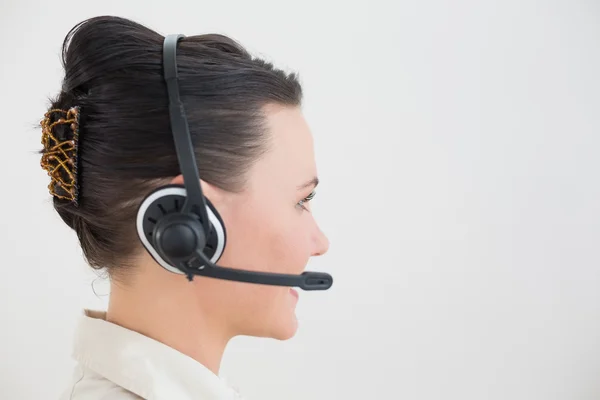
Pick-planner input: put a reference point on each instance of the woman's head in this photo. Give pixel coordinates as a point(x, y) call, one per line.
point(254, 153)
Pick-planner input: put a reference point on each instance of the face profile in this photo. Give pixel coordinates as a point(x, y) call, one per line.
point(269, 228)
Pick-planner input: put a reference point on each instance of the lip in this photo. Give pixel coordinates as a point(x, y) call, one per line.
point(294, 293)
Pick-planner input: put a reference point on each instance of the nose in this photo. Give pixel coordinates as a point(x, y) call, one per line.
point(321, 243)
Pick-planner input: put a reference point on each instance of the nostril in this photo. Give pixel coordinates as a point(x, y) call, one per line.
point(324, 247)
point(320, 242)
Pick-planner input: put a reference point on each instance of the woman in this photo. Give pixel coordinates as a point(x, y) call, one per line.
point(108, 143)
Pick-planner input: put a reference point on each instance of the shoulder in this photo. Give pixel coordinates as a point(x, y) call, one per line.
point(85, 384)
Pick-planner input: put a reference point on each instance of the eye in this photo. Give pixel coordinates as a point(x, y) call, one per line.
point(302, 203)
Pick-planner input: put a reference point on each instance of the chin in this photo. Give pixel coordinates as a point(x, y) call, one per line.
point(287, 331)
point(283, 329)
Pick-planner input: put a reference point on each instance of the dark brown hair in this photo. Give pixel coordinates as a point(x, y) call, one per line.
point(114, 74)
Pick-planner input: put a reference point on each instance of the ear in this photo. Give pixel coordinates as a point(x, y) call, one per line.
point(214, 194)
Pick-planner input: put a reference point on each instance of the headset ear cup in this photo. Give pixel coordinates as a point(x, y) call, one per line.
point(167, 200)
point(217, 237)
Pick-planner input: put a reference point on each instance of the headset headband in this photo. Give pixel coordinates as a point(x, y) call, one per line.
point(181, 133)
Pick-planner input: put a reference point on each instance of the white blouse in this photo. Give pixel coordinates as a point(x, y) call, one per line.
point(115, 363)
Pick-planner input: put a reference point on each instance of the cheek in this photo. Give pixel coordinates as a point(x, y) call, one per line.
point(286, 246)
point(271, 239)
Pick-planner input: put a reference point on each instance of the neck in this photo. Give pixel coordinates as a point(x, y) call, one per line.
point(172, 317)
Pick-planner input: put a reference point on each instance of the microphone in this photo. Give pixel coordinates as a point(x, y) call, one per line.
point(308, 280)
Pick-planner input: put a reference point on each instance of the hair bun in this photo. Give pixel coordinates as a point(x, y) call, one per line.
point(60, 137)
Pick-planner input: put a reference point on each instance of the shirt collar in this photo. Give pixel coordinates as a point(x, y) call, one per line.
point(143, 365)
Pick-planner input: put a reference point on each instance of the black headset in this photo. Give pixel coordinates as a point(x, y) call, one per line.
point(181, 228)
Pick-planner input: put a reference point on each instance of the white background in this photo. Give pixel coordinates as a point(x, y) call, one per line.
point(458, 144)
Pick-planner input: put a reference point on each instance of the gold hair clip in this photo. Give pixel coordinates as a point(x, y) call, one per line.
point(59, 156)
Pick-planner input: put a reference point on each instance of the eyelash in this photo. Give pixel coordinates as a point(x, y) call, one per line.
point(305, 200)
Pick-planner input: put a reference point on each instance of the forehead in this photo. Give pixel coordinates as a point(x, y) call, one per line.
point(290, 160)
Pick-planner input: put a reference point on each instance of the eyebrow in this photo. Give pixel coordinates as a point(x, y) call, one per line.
point(313, 182)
